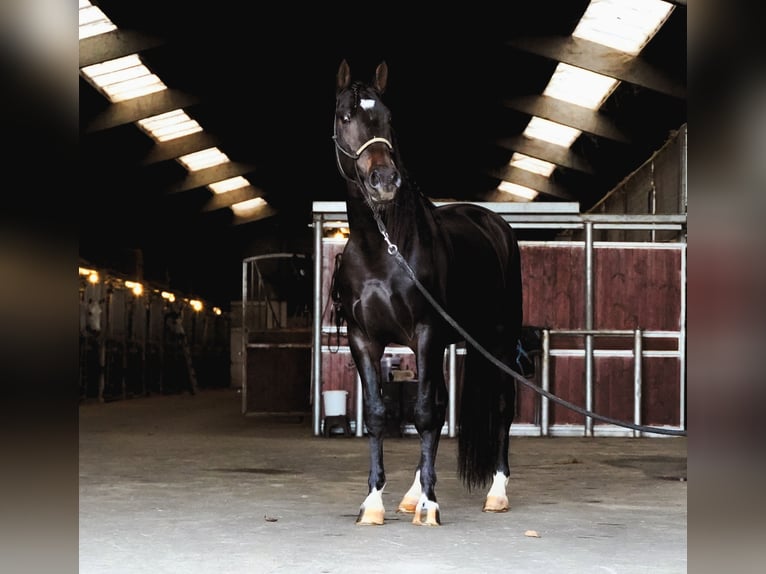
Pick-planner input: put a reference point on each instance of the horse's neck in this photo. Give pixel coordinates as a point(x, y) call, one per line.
point(403, 229)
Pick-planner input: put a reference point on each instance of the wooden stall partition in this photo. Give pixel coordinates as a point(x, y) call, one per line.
point(636, 286)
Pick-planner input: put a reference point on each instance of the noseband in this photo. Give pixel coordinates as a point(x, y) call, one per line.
point(355, 155)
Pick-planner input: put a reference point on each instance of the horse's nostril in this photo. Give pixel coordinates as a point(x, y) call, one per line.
point(396, 179)
point(375, 178)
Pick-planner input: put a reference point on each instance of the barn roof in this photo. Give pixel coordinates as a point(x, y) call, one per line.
point(463, 86)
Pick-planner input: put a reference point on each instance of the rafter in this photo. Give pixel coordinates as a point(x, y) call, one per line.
point(545, 151)
point(210, 175)
point(223, 200)
point(578, 117)
point(534, 181)
point(115, 44)
point(131, 111)
point(601, 60)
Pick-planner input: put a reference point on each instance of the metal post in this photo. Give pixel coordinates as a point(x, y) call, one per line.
point(359, 407)
point(245, 338)
point(682, 344)
point(545, 382)
point(589, 325)
point(637, 356)
point(316, 347)
point(452, 372)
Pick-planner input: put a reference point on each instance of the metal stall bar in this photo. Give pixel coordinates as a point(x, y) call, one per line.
point(637, 356)
point(589, 325)
point(245, 266)
point(359, 430)
point(545, 383)
point(682, 343)
point(452, 389)
point(316, 351)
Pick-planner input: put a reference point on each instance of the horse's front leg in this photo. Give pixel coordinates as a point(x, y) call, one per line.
point(430, 410)
point(367, 359)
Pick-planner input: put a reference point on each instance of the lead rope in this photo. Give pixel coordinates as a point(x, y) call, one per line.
point(393, 250)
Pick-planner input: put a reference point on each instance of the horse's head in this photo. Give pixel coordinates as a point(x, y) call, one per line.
point(362, 134)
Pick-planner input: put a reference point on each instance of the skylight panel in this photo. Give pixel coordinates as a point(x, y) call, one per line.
point(93, 21)
point(168, 126)
point(518, 191)
point(203, 159)
point(532, 164)
point(228, 184)
point(249, 207)
point(551, 132)
point(123, 78)
point(580, 87)
point(625, 25)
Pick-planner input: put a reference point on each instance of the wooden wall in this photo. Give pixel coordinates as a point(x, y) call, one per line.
point(637, 285)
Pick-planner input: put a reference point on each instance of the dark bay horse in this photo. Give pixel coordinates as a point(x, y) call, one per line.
point(467, 258)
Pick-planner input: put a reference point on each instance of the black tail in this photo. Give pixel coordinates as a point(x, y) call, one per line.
point(479, 421)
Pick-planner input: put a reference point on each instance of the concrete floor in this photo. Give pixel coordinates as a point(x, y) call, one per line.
point(186, 484)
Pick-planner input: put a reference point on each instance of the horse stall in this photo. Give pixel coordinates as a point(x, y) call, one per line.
point(272, 334)
point(136, 340)
point(597, 305)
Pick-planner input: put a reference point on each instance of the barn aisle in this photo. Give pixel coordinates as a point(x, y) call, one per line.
point(186, 484)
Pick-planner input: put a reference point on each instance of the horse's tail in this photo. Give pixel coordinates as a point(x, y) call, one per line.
point(479, 421)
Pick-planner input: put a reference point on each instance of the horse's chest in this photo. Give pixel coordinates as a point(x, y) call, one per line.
point(378, 304)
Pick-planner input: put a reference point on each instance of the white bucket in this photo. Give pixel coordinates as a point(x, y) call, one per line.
point(334, 403)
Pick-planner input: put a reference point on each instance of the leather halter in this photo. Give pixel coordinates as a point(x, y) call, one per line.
point(355, 155)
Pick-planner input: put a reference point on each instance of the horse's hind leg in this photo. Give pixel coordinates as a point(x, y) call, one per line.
point(497, 499)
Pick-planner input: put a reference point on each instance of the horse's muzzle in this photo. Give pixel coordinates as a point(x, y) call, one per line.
point(383, 183)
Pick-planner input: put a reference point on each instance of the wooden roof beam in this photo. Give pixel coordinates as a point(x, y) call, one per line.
point(115, 44)
point(574, 116)
point(602, 60)
point(531, 180)
point(204, 177)
point(545, 151)
point(174, 148)
point(130, 111)
point(224, 200)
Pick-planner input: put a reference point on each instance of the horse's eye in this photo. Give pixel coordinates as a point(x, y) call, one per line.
point(345, 118)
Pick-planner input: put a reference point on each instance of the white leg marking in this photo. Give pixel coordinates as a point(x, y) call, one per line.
point(499, 482)
point(374, 499)
point(425, 504)
point(496, 500)
point(414, 491)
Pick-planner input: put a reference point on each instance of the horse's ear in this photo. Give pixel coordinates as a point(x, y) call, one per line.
point(381, 77)
point(344, 76)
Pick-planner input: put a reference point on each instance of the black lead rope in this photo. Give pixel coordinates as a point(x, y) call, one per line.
point(394, 251)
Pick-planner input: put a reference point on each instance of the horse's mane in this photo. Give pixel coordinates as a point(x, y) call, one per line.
point(399, 216)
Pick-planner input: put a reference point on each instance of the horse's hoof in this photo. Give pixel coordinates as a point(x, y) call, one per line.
point(370, 517)
point(408, 505)
point(496, 504)
point(433, 518)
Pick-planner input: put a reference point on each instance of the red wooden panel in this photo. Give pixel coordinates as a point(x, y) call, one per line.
point(527, 405)
point(330, 248)
point(553, 285)
point(567, 382)
point(661, 394)
point(278, 380)
point(613, 388)
point(637, 288)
